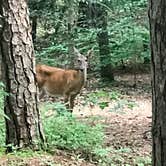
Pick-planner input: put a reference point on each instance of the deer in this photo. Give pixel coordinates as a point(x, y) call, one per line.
point(65, 82)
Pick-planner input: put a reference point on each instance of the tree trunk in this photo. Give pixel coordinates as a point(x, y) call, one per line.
point(157, 17)
point(103, 42)
point(24, 127)
point(106, 68)
point(71, 23)
point(94, 15)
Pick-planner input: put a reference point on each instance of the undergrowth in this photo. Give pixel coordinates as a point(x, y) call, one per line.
point(2, 115)
point(65, 132)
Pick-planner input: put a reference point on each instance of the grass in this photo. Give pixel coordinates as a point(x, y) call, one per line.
point(65, 132)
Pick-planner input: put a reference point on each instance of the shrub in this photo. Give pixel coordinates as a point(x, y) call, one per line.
point(66, 132)
point(2, 115)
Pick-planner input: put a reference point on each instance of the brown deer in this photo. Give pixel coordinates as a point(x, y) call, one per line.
point(66, 82)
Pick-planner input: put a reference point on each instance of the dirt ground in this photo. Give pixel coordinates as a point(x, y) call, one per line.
point(127, 129)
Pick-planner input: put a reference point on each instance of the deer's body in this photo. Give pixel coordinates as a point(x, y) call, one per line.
point(57, 81)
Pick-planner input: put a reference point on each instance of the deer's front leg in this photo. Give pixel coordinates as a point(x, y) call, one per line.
point(72, 98)
point(66, 101)
point(42, 93)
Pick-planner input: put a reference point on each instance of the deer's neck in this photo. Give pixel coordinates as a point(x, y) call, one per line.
point(83, 74)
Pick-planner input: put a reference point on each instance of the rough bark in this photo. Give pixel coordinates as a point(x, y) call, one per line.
point(157, 18)
point(16, 48)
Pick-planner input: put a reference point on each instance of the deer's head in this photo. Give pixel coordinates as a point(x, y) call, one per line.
point(81, 61)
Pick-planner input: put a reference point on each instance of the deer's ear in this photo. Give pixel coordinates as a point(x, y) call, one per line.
point(89, 53)
point(76, 51)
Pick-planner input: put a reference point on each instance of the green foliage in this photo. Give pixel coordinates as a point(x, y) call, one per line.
point(114, 95)
point(118, 158)
point(102, 98)
point(127, 28)
point(53, 55)
point(24, 157)
point(93, 99)
point(143, 161)
point(65, 132)
point(129, 41)
point(2, 95)
point(56, 53)
point(121, 104)
point(25, 153)
point(56, 107)
point(2, 114)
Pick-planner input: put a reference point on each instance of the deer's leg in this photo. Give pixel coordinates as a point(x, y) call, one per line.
point(42, 93)
point(66, 100)
point(72, 98)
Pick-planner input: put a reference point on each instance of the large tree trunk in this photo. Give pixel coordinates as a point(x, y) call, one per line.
point(16, 48)
point(157, 18)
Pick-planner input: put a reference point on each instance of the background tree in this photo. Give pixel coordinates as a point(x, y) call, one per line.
point(23, 128)
point(71, 17)
point(157, 17)
point(94, 15)
point(124, 26)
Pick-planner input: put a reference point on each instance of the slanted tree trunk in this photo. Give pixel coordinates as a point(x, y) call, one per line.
point(157, 18)
point(16, 48)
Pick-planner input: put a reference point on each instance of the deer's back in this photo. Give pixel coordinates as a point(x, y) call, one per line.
point(57, 81)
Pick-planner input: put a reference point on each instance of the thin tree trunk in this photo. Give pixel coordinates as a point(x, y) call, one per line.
point(100, 15)
point(104, 50)
point(24, 127)
point(94, 15)
point(157, 17)
point(71, 23)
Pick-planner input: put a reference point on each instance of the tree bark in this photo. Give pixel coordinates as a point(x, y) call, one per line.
point(24, 127)
point(157, 19)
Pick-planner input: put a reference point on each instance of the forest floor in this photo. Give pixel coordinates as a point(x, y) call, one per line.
point(127, 125)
